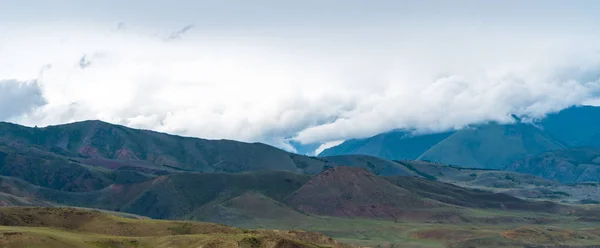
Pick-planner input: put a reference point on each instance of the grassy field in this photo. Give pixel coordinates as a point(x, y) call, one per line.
point(69, 227)
point(495, 228)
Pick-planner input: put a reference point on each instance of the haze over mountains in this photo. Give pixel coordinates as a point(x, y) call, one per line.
point(492, 145)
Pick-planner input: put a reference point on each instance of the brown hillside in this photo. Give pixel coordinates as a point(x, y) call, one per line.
point(347, 191)
point(68, 227)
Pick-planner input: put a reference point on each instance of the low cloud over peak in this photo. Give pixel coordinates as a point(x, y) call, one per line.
point(316, 82)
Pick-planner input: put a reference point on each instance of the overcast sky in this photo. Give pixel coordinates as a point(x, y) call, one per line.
point(302, 72)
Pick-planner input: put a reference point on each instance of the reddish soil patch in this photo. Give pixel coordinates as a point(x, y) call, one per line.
point(349, 191)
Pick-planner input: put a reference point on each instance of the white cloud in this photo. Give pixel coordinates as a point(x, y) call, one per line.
point(318, 87)
point(327, 145)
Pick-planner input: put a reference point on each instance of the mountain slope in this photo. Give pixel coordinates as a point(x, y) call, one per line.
point(455, 195)
point(110, 153)
point(375, 165)
point(61, 173)
point(484, 146)
point(513, 183)
point(347, 191)
point(570, 166)
point(395, 145)
point(576, 126)
point(96, 140)
point(491, 146)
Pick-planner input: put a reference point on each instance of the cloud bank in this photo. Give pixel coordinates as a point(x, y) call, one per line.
point(289, 87)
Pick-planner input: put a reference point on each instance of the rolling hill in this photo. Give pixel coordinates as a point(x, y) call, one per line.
point(231, 198)
point(520, 185)
point(354, 192)
point(68, 227)
point(491, 146)
point(577, 165)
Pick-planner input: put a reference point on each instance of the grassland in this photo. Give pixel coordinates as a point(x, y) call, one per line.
point(483, 228)
point(69, 227)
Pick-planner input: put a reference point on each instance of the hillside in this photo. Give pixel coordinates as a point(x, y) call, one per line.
point(485, 146)
point(394, 145)
point(345, 191)
point(67, 227)
point(344, 202)
point(91, 155)
point(516, 184)
point(568, 166)
point(375, 165)
point(576, 126)
point(96, 142)
point(246, 198)
point(491, 146)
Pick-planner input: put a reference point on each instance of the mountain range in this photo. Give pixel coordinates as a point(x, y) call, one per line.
point(493, 145)
point(494, 176)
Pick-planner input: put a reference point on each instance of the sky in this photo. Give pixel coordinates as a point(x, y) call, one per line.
point(295, 74)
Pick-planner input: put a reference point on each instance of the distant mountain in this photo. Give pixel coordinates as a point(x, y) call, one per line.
point(395, 145)
point(576, 126)
point(90, 155)
point(485, 146)
point(491, 146)
point(503, 181)
point(98, 141)
point(575, 165)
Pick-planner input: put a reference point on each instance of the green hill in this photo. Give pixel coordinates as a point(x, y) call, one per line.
point(485, 146)
point(576, 126)
point(491, 146)
point(394, 145)
point(569, 166)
